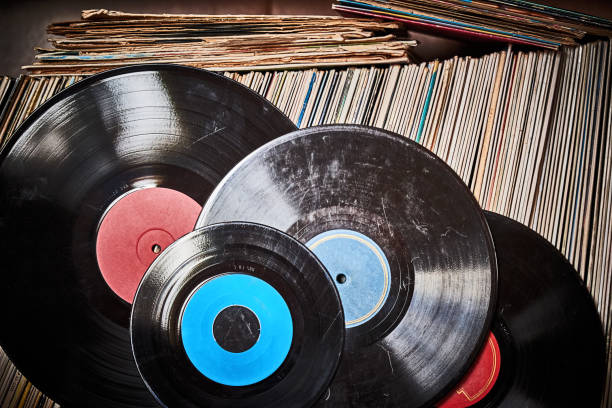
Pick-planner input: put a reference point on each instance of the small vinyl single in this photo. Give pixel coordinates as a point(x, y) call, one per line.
point(237, 315)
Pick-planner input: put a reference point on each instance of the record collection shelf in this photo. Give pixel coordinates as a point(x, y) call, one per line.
point(528, 132)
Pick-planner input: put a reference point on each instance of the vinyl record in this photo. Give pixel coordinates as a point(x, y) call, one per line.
point(237, 315)
point(406, 242)
point(92, 187)
point(547, 347)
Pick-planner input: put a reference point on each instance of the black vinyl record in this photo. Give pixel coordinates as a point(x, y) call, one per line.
point(551, 342)
point(405, 240)
point(237, 315)
point(157, 135)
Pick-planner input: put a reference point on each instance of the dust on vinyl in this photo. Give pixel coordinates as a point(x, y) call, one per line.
point(406, 242)
point(549, 339)
point(92, 187)
point(237, 315)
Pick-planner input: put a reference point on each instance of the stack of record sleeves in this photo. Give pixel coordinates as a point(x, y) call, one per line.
point(513, 21)
point(109, 39)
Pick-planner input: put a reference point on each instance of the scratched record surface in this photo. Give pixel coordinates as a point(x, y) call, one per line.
point(551, 347)
point(95, 184)
point(237, 315)
point(406, 242)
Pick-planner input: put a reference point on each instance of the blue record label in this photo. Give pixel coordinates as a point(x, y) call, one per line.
point(360, 270)
point(268, 321)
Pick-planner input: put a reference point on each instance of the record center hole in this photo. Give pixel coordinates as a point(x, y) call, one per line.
point(156, 249)
point(236, 329)
point(341, 278)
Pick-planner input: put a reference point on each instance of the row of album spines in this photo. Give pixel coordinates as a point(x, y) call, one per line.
point(16, 391)
point(429, 86)
point(393, 81)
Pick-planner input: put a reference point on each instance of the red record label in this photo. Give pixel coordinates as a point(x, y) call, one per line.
point(136, 229)
point(479, 381)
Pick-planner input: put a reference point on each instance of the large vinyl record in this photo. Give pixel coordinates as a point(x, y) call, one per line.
point(549, 344)
point(237, 315)
point(407, 243)
point(92, 187)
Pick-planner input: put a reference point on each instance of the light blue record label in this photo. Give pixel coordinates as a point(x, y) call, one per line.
point(268, 352)
point(360, 270)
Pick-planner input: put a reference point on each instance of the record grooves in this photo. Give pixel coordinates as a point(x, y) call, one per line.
point(107, 137)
